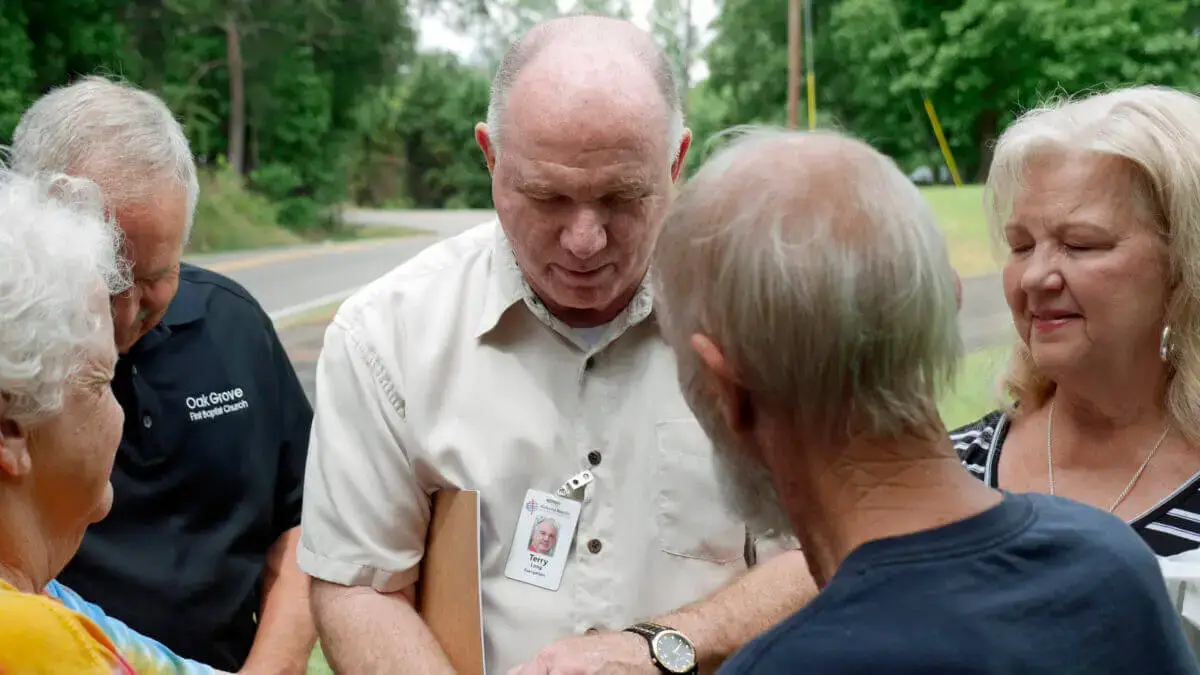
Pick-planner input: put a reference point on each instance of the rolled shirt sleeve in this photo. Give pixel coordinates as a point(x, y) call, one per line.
point(365, 514)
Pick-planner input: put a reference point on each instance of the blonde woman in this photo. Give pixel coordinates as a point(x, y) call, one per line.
point(1098, 203)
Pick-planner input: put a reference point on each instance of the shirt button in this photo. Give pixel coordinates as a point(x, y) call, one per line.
point(594, 546)
point(147, 422)
point(594, 458)
point(134, 370)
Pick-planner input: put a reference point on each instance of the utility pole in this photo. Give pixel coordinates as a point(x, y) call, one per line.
point(809, 71)
point(793, 97)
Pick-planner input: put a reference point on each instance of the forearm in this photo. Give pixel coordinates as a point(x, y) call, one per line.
point(286, 633)
point(720, 624)
point(368, 633)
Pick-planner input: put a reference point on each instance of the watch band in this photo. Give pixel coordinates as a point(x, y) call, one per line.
point(649, 631)
point(646, 629)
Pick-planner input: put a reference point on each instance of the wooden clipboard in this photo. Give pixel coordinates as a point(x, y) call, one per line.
point(448, 593)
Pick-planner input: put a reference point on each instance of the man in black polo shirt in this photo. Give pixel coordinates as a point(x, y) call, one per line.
point(199, 549)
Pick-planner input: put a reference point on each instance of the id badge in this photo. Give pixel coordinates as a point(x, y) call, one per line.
point(542, 540)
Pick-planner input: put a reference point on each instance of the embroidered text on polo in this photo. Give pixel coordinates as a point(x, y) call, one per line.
point(216, 403)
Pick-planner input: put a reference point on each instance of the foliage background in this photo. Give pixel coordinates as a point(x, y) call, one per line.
point(310, 104)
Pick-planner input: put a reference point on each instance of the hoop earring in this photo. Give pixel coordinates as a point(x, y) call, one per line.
point(1165, 347)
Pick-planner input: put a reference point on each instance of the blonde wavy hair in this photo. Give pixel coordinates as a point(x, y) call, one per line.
point(1157, 131)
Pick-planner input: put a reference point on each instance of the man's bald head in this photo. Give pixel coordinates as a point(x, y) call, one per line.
point(818, 269)
point(586, 54)
point(593, 140)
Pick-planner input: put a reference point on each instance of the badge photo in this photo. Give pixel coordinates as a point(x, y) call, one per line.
point(542, 540)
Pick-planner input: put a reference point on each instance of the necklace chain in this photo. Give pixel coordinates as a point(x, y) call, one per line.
point(1132, 482)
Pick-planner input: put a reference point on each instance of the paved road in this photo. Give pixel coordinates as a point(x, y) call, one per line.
point(984, 318)
point(293, 281)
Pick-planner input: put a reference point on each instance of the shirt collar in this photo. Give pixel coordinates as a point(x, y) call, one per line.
point(188, 306)
point(507, 287)
point(189, 302)
point(506, 284)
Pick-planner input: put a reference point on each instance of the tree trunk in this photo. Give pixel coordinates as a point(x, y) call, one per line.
point(237, 95)
point(794, 53)
point(987, 130)
point(685, 85)
point(252, 150)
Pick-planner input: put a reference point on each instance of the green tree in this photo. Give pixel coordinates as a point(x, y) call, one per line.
point(1050, 46)
point(671, 24)
point(978, 61)
point(617, 8)
point(17, 77)
point(421, 150)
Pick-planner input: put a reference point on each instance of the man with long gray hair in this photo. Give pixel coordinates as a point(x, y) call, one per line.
point(805, 287)
point(199, 549)
point(523, 359)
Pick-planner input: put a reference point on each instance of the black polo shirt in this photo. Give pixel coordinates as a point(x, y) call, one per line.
point(209, 474)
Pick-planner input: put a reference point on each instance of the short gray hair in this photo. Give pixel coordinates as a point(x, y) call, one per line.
point(113, 133)
point(818, 268)
point(58, 252)
point(524, 49)
point(1154, 130)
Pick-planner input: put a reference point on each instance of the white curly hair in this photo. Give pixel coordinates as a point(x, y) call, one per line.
point(57, 250)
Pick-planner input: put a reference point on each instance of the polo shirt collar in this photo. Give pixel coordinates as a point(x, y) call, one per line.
point(188, 306)
point(507, 287)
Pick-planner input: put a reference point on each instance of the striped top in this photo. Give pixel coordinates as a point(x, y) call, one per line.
point(1172, 526)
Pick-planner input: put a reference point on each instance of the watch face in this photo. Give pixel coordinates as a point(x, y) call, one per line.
point(674, 652)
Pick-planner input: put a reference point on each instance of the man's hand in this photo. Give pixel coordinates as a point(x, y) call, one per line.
point(286, 633)
point(616, 652)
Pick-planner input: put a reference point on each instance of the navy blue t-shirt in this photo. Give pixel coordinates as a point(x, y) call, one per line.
point(1036, 585)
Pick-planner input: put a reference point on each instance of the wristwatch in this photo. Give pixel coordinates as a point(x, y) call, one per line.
point(670, 650)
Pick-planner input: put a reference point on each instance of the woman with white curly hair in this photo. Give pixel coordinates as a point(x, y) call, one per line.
point(59, 423)
point(1098, 203)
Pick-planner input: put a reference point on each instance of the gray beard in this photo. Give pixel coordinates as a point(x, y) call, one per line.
point(746, 485)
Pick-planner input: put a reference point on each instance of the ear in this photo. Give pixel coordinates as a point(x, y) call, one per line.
point(731, 397)
point(14, 445)
point(681, 161)
point(484, 139)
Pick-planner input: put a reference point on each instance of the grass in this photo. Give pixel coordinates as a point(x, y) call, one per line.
point(317, 664)
point(231, 218)
point(959, 211)
point(975, 391)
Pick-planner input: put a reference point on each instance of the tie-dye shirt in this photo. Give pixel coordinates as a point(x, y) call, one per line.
point(145, 655)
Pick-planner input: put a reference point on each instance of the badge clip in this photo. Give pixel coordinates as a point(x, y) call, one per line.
point(574, 485)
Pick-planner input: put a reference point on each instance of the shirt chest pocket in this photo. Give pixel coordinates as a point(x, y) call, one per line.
point(693, 521)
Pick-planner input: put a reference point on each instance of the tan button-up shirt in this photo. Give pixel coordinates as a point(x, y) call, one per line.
point(448, 372)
